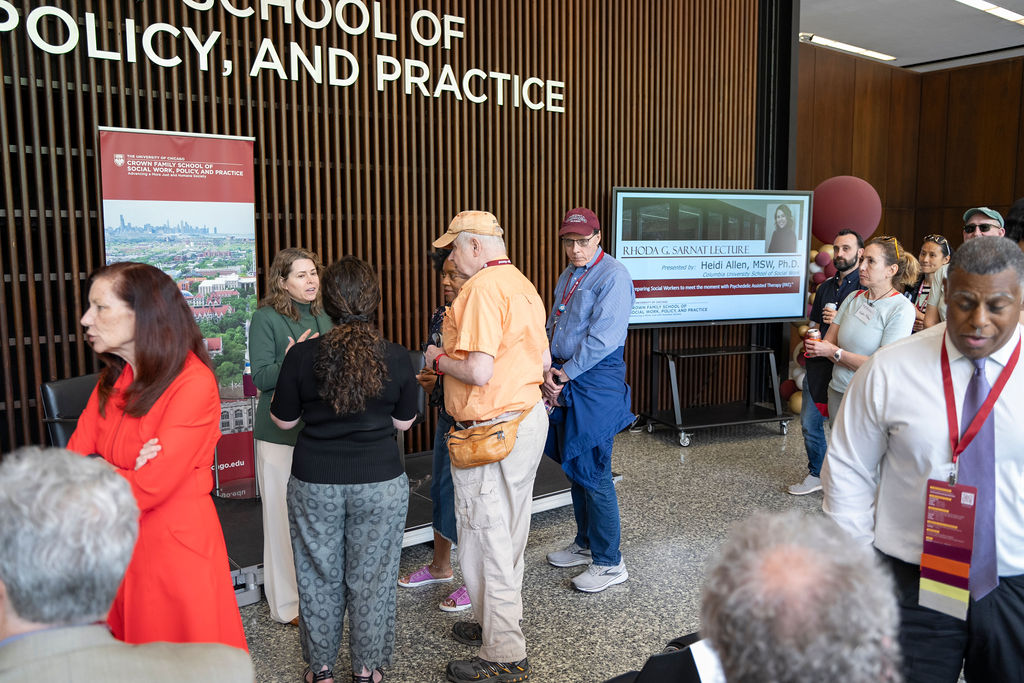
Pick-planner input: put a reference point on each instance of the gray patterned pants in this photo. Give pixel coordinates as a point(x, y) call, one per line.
point(347, 542)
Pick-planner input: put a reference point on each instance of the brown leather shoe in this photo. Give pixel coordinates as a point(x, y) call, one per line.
point(294, 622)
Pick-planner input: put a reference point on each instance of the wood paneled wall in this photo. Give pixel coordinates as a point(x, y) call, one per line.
point(656, 94)
point(932, 144)
point(971, 144)
point(858, 117)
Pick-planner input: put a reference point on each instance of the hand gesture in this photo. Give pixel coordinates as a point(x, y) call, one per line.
point(305, 335)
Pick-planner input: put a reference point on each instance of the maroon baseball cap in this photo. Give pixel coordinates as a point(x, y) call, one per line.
point(581, 221)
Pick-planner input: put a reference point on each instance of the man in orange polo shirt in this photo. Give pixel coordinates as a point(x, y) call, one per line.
point(493, 362)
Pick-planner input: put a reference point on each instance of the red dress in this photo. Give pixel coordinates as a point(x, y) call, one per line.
point(178, 586)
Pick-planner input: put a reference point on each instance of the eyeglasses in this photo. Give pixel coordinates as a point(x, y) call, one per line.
point(895, 243)
point(581, 243)
point(983, 227)
point(938, 239)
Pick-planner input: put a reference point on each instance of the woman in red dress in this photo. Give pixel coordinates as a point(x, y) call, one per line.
point(155, 417)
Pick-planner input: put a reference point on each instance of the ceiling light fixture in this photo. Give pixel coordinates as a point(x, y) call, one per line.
point(845, 47)
point(994, 10)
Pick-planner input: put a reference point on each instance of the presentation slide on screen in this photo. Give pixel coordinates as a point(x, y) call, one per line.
point(701, 256)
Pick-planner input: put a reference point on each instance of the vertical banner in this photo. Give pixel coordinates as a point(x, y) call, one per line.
point(186, 204)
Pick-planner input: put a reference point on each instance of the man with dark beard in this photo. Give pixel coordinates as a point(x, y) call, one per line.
point(849, 247)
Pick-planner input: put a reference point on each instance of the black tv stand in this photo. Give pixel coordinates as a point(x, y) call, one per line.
point(726, 414)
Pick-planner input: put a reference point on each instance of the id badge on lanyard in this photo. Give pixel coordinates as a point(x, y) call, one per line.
point(950, 506)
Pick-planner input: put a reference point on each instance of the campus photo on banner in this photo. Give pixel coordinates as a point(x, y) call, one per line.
point(185, 204)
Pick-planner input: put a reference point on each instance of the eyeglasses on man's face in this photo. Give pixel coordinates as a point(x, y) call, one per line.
point(582, 243)
point(983, 227)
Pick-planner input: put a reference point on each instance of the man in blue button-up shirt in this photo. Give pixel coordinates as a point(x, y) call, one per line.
point(586, 387)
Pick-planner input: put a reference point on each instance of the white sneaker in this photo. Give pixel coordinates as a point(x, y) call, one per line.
point(571, 556)
point(596, 578)
point(810, 484)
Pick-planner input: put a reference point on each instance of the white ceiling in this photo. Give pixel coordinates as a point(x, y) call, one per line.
point(923, 35)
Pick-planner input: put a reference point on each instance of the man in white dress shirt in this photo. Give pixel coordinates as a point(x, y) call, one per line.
point(893, 434)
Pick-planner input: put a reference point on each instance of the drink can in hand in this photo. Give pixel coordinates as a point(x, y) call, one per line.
point(813, 333)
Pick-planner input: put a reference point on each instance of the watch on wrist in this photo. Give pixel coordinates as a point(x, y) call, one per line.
point(838, 355)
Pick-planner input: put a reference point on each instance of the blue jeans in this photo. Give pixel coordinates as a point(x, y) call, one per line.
point(597, 520)
point(812, 422)
point(442, 492)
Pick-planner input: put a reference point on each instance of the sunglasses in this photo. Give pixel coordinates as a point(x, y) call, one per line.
point(895, 243)
point(938, 239)
point(983, 227)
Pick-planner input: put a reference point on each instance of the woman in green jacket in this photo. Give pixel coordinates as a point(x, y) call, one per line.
point(290, 313)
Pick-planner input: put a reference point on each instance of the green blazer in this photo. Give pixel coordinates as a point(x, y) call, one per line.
point(268, 339)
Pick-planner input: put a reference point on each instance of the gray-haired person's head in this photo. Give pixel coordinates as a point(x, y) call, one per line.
point(988, 257)
point(791, 598)
point(67, 529)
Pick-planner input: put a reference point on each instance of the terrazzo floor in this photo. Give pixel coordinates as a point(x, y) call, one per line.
point(674, 516)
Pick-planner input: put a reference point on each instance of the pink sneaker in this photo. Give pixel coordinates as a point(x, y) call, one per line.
point(457, 601)
point(421, 577)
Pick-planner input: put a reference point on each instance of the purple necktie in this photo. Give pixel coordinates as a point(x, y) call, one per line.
point(978, 468)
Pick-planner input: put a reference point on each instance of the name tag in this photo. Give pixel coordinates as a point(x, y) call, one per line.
point(866, 313)
point(948, 544)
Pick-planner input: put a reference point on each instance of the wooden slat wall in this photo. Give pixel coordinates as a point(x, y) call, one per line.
point(657, 94)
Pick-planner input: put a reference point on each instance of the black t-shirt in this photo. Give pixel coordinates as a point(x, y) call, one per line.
point(352, 448)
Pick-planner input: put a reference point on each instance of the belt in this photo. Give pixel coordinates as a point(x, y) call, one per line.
point(504, 417)
point(560, 361)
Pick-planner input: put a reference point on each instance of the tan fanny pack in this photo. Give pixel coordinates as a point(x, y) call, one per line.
point(484, 443)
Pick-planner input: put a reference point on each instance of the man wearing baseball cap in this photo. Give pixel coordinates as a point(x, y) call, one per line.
point(983, 222)
point(980, 221)
point(492, 364)
point(586, 387)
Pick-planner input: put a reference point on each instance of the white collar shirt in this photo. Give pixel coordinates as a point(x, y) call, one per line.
point(891, 437)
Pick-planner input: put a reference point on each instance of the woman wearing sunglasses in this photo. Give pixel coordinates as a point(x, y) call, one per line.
point(935, 253)
point(870, 318)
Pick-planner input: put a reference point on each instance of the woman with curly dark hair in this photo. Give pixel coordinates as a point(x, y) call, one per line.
point(348, 493)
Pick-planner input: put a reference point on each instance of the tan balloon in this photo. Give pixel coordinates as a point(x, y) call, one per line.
point(802, 330)
point(812, 255)
point(829, 249)
point(796, 402)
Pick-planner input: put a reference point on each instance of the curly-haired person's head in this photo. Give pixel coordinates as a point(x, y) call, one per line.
point(350, 365)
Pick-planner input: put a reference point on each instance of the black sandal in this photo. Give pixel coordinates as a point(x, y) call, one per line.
point(356, 678)
point(319, 676)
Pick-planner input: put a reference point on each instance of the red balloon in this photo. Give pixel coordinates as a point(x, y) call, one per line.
point(818, 278)
point(801, 360)
point(823, 258)
point(845, 202)
point(830, 270)
point(787, 389)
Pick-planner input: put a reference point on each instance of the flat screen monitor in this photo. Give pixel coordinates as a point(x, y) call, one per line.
point(713, 256)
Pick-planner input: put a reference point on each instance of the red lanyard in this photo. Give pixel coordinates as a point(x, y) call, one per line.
point(575, 286)
point(956, 443)
point(498, 262)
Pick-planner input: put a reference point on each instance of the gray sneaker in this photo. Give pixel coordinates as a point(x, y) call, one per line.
point(810, 484)
point(596, 578)
point(571, 556)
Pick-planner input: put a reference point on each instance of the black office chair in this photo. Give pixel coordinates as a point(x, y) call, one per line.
point(63, 402)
